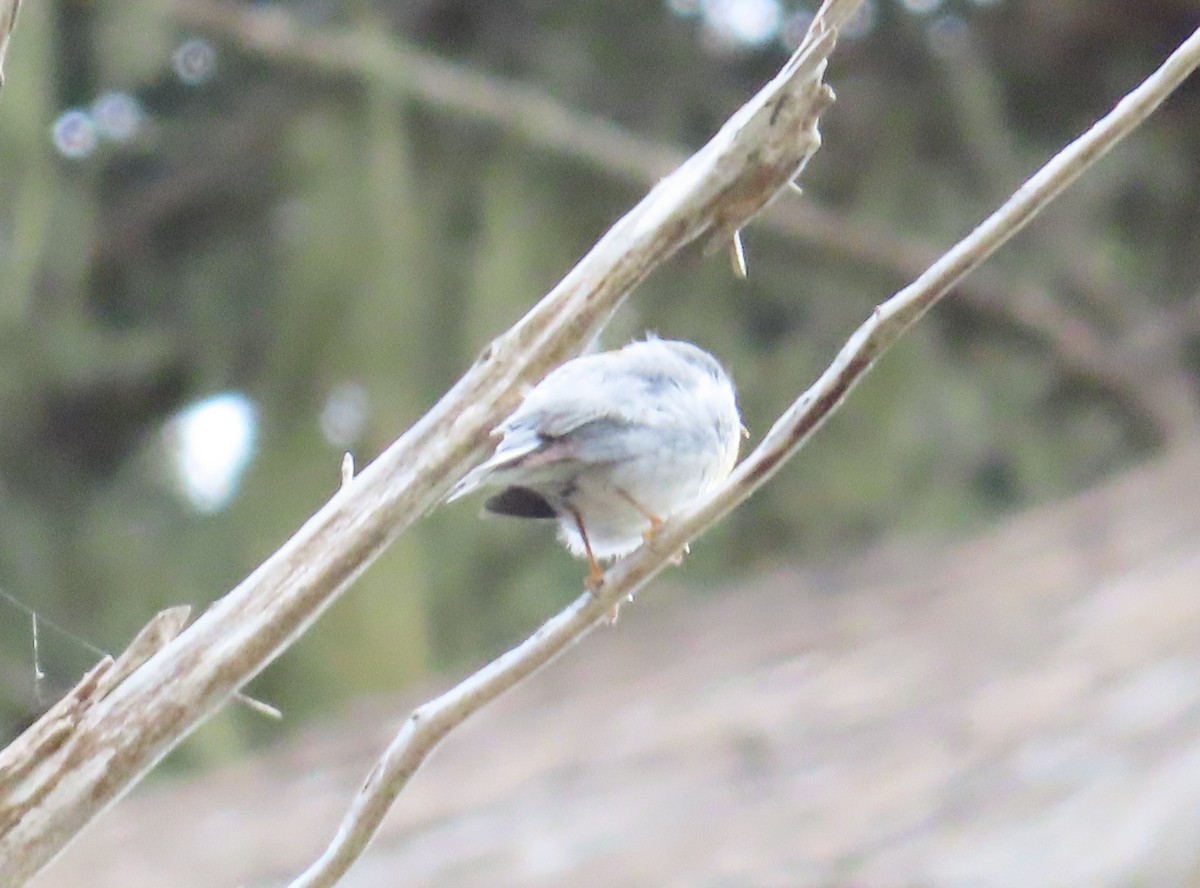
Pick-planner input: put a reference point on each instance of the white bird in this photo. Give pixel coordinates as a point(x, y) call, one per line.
point(610, 445)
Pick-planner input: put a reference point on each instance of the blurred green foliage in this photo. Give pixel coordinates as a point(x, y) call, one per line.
point(288, 234)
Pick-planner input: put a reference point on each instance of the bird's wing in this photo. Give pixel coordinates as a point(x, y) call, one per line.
point(529, 435)
point(511, 450)
point(576, 395)
point(586, 390)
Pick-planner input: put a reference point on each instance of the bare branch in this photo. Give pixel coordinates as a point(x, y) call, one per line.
point(425, 728)
point(405, 71)
point(112, 739)
point(55, 726)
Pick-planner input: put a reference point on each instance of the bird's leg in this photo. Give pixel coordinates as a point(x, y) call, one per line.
point(655, 522)
point(595, 575)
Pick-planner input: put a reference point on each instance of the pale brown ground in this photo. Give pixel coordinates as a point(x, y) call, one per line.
point(1020, 710)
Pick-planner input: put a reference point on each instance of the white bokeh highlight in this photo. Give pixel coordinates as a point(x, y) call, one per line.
point(210, 444)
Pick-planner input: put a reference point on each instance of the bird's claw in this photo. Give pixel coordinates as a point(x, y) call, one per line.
point(650, 534)
point(594, 579)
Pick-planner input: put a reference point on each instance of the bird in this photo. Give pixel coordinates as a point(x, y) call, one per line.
point(611, 444)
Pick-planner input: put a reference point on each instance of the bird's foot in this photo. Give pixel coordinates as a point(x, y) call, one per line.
point(650, 538)
point(595, 577)
point(651, 532)
point(594, 581)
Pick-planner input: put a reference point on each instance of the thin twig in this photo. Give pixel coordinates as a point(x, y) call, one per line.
point(429, 723)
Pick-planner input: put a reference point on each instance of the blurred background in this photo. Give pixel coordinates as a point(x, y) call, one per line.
point(237, 240)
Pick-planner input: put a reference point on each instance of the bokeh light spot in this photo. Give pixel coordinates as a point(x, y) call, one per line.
point(211, 443)
point(195, 61)
point(117, 116)
point(862, 22)
point(74, 134)
point(742, 24)
point(344, 415)
point(921, 7)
